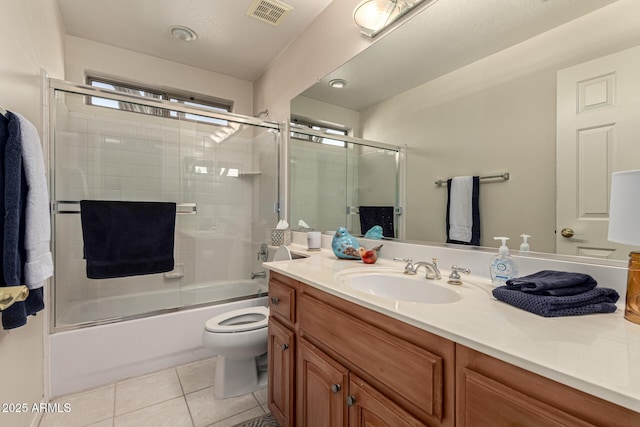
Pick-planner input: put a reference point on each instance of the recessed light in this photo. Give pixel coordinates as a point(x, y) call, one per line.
point(337, 83)
point(185, 34)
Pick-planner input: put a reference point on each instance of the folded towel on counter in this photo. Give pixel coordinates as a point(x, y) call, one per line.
point(127, 238)
point(597, 300)
point(463, 210)
point(377, 215)
point(550, 282)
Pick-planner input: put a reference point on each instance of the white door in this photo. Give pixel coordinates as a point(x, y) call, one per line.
point(598, 133)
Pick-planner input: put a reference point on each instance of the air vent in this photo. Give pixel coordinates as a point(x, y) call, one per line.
point(270, 11)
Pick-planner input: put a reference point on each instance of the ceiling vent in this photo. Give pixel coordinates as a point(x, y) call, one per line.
point(270, 11)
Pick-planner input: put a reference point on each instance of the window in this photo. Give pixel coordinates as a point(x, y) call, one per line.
point(300, 124)
point(211, 104)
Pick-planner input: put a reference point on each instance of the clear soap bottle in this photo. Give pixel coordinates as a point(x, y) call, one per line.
point(502, 267)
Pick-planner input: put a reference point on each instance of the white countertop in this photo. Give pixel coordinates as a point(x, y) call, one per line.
point(593, 353)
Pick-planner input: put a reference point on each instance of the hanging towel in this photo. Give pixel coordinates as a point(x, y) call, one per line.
point(38, 264)
point(597, 300)
point(463, 210)
point(377, 215)
point(550, 282)
point(13, 204)
point(14, 191)
point(127, 238)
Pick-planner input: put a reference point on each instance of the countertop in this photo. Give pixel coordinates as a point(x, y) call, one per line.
point(593, 353)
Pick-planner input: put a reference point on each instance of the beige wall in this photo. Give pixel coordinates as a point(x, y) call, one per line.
point(331, 40)
point(509, 127)
point(32, 38)
point(84, 56)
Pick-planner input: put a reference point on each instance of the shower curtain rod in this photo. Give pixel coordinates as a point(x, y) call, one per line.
point(73, 207)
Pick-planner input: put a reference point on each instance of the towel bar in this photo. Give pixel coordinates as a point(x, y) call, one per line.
point(355, 210)
point(502, 176)
point(73, 207)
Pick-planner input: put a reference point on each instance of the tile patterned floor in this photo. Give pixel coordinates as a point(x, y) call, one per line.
point(176, 397)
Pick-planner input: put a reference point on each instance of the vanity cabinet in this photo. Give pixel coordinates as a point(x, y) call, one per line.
point(397, 374)
point(335, 363)
point(332, 396)
point(281, 347)
point(494, 393)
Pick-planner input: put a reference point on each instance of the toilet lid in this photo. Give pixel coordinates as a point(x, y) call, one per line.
point(241, 320)
point(282, 254)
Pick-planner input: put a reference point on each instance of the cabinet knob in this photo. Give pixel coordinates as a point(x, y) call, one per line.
point(335, 388)
point(275, 300)
point(285, 346)
point(351, 400)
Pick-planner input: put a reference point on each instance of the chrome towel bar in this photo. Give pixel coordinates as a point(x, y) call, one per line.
point(73, 207)
point(502, 176)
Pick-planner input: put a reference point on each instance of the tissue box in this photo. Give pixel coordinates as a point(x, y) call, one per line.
point(280, 237)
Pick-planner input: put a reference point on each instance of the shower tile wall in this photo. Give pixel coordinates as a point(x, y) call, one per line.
point(114, 155)
point(324, 182)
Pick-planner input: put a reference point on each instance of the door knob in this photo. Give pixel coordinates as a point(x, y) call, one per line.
point(275, 300)
point(285, 346)
point(351, 400)
point(567, 232)
point(335, 388)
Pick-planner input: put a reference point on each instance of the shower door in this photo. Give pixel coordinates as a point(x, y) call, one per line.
point(332, 176)
point(221, 171)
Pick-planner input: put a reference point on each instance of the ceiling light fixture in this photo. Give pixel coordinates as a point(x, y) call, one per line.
point(185, 34)
point(373, 16)
point(337, 83)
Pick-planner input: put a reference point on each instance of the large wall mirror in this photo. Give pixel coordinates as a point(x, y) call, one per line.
point(547, 91)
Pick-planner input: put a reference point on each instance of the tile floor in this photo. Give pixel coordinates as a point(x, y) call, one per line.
point(176, 397)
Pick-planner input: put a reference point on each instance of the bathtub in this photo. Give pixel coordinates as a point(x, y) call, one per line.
point(115, 308)
point(89, 357)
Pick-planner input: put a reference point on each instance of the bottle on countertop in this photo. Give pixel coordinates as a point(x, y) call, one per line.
point(502, 267)
point(524, 246)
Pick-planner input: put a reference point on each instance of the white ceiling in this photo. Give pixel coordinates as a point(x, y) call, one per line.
point(229, 41)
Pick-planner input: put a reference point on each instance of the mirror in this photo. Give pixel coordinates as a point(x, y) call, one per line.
point(470, 88)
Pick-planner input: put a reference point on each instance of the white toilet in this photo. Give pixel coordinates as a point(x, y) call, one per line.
point(239, 337)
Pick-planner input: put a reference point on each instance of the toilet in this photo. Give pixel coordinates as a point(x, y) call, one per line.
point(239, 337)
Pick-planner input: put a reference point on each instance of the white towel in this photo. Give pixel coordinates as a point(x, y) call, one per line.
point(39, 263)
point(460, 208)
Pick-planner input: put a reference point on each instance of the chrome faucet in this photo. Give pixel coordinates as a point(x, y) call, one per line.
point(259, 275)
point(454, 277)
point(412, 267)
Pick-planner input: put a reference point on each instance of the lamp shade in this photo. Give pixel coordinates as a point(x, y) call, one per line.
point(624, 209)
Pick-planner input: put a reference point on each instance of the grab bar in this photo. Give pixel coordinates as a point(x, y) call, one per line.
point(73, 207)
point(503, 176)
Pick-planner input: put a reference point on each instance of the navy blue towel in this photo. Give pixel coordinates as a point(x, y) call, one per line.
point(12, 205)
point(127, 238)
point(597, 300)
point(377, 215)
point(550, 282)
point(475, 214)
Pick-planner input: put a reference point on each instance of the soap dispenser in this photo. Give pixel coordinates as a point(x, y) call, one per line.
point(524, 246)
point(502, 267)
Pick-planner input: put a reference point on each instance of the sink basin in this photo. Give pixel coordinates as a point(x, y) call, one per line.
point(397, 286)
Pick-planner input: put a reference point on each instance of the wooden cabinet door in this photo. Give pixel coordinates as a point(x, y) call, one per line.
point(281, 349)
point(369, 408)
point(322, 386)
point(488, 403)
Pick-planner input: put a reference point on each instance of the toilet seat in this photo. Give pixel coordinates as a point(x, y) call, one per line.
point(241, 320)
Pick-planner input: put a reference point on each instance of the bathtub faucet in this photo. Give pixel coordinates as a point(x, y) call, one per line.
point(259, 274)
